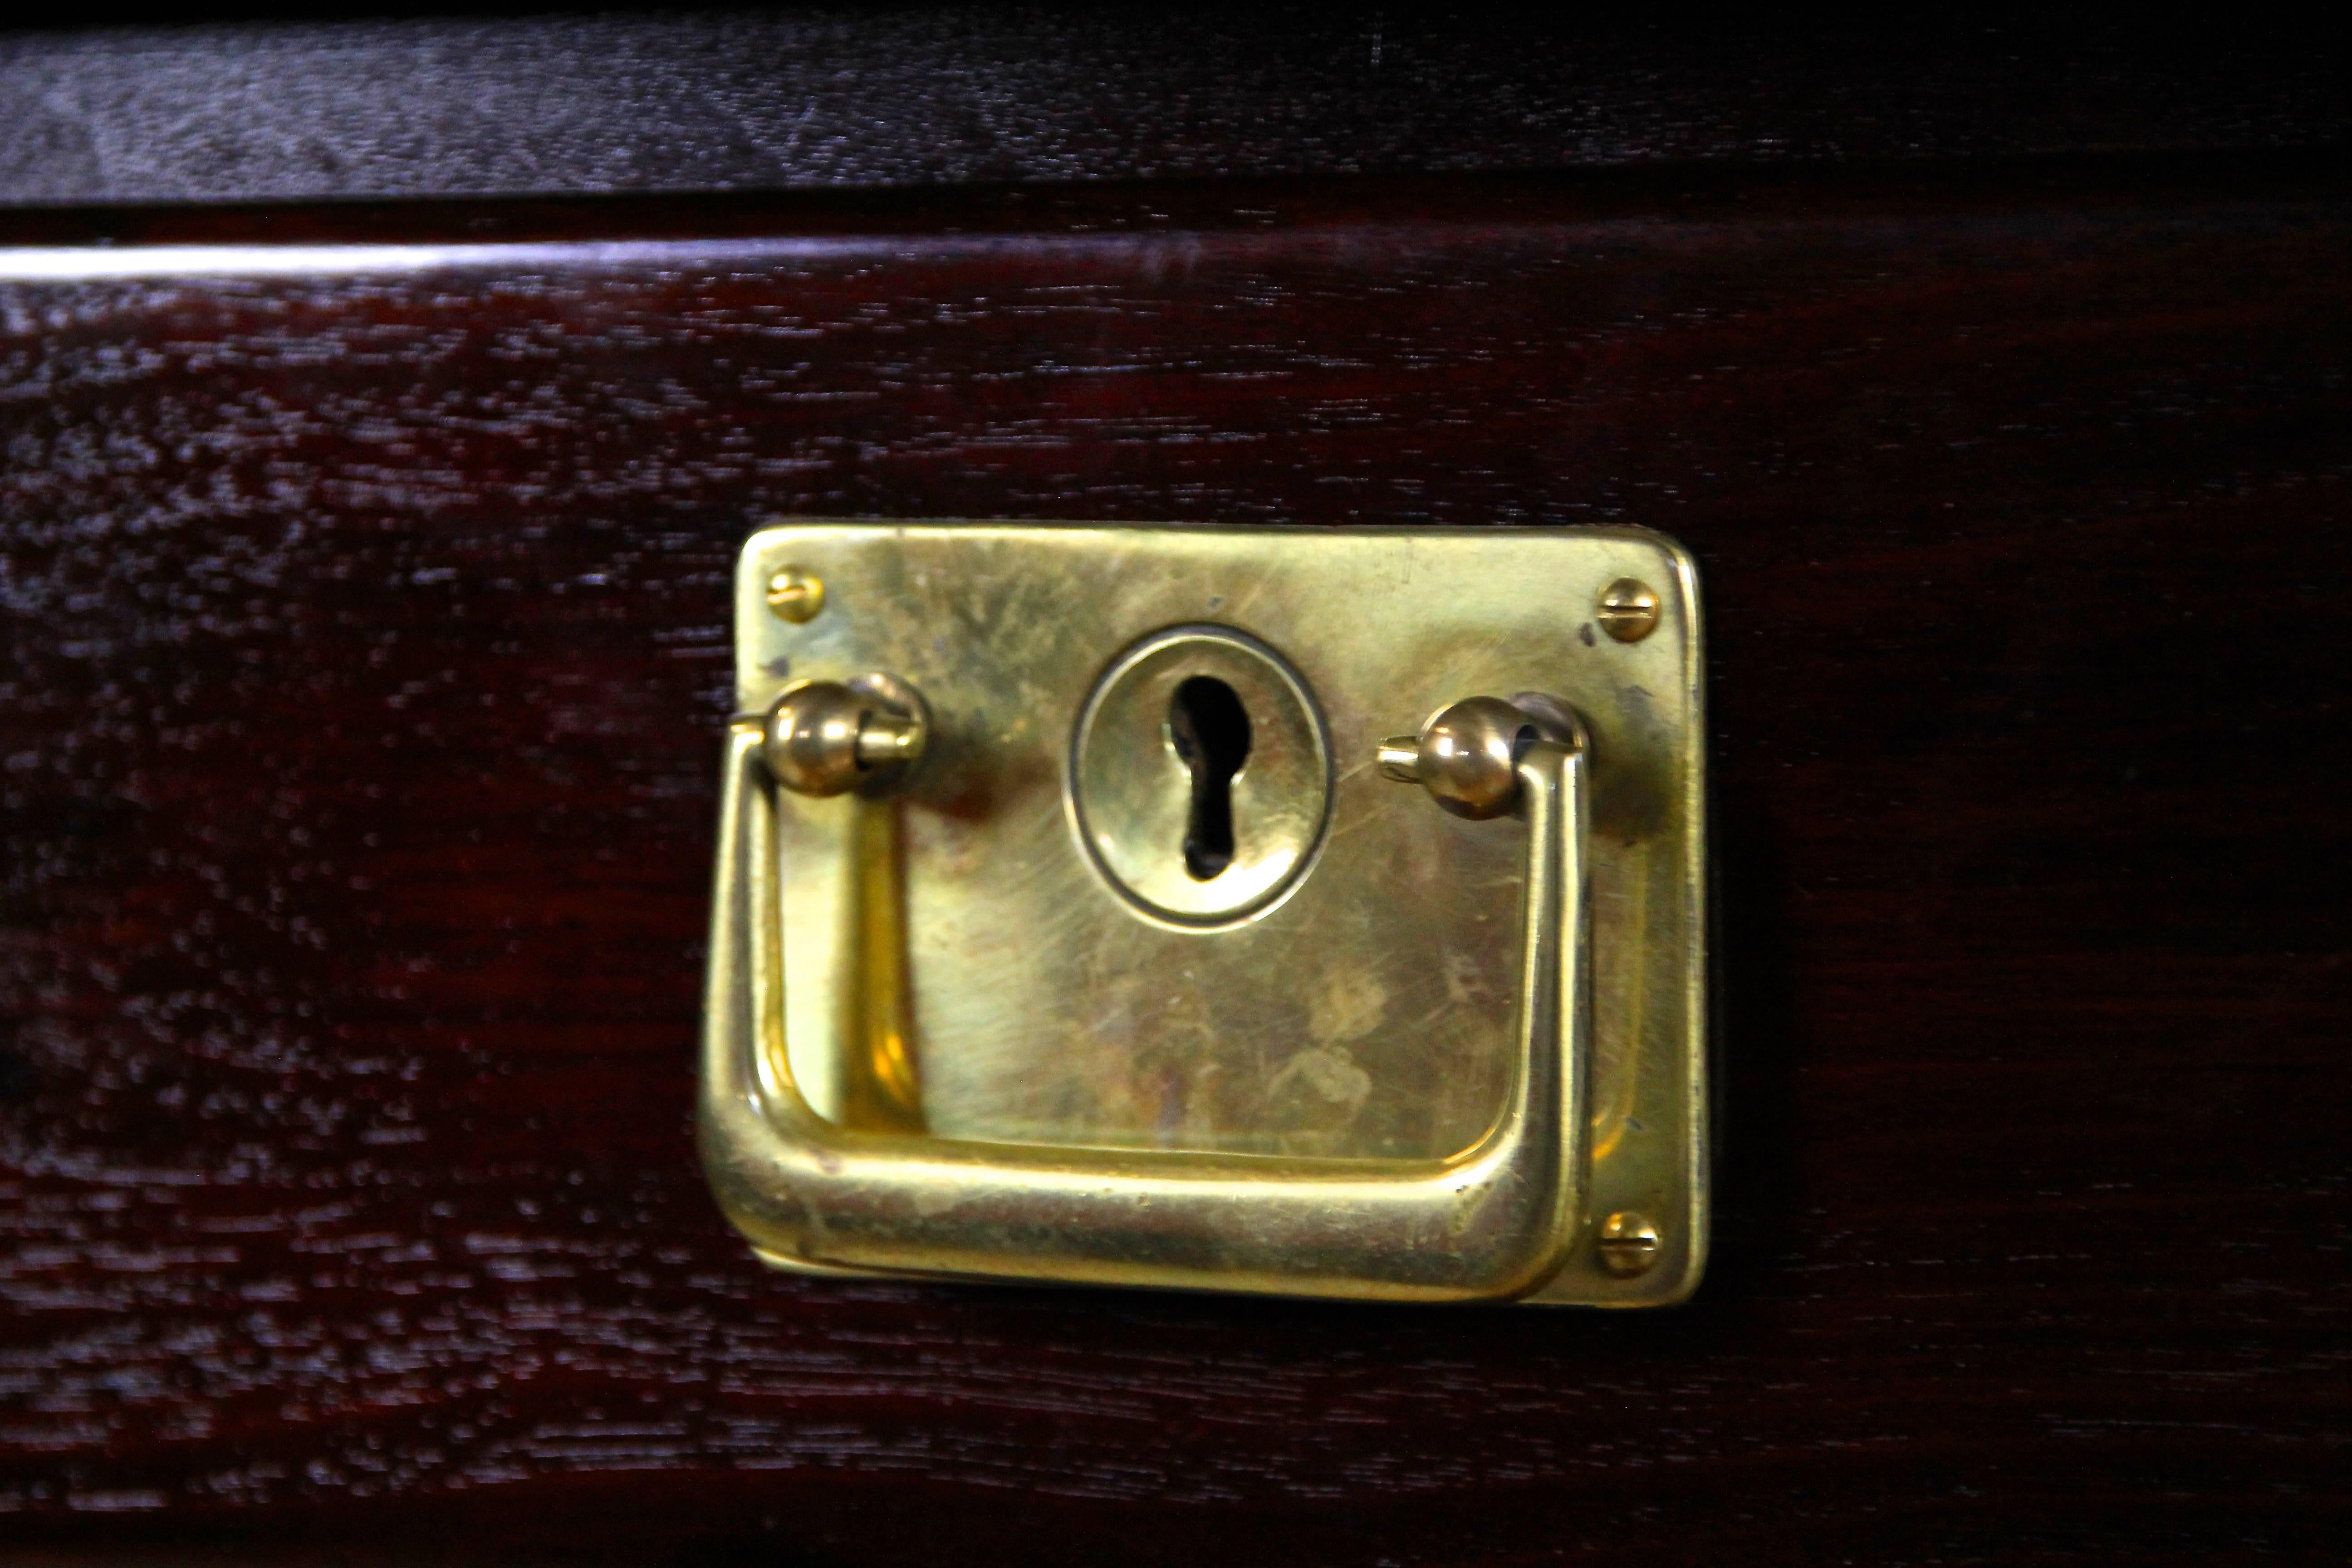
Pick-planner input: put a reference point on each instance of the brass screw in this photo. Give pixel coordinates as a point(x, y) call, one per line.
point(1629, 1244)
point(796, 595)
point(1628, 610)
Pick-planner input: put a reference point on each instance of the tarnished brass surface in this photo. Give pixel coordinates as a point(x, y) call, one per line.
point(1367, 1013)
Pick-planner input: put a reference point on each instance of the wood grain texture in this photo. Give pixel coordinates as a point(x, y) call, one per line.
point(306, 101)
point(365, 664)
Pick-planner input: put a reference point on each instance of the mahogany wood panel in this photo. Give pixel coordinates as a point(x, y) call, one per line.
point(366, 660)
point(310, 101)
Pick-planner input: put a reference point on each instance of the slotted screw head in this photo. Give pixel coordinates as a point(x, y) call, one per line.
point(796, 595)
point(1628, 609)
point(1628, 1244)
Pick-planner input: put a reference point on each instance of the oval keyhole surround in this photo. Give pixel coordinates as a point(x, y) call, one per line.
point(1200, 776)
point(1210, 729)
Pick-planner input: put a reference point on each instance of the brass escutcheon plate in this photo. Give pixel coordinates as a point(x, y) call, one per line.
point(964, 964)
point(1138, 800)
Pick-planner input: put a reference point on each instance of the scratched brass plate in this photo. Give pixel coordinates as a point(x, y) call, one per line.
point(1366, 1012)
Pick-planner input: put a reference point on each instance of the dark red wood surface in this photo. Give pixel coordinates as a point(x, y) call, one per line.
point(366, 657)
point(304, 101)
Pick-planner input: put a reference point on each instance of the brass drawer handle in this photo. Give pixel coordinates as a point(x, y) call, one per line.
point(1493, 1222)
point(1096, 944)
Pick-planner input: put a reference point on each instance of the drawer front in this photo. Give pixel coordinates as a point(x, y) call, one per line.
point(367, 658)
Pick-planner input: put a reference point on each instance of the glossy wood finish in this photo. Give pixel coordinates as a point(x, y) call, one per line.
point(365, 667)
point(298, 100)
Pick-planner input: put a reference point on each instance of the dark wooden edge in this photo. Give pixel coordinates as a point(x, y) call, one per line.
point(1751, 193)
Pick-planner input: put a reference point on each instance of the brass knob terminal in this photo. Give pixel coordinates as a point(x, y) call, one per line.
point(1467, 756)
point(829, 737)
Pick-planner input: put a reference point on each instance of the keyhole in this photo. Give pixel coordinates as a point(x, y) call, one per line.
point(1212, 732)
